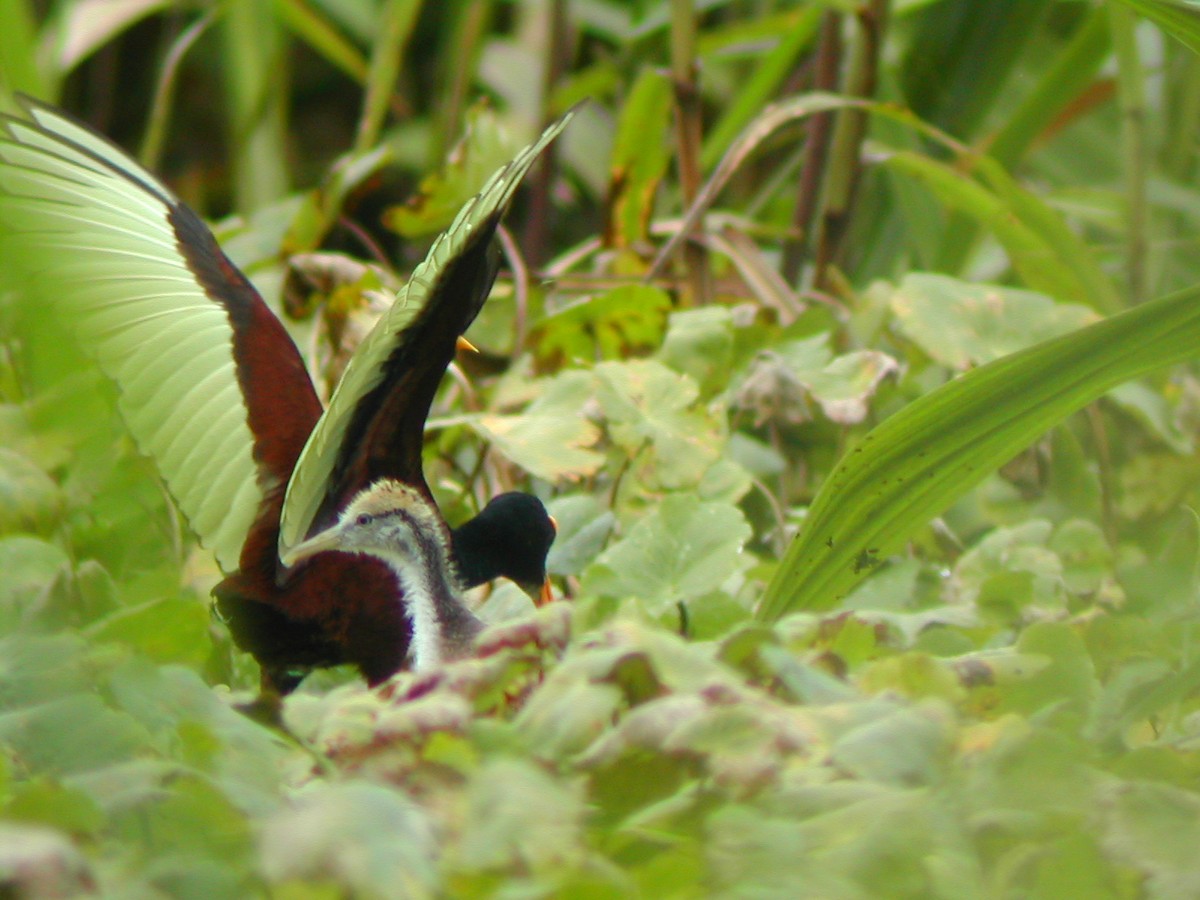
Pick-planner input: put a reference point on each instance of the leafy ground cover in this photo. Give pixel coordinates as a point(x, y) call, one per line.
point(877, 546)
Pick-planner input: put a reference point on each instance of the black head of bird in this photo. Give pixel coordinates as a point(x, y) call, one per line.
point(213, 389)
point(510, 536)
point(397, 525)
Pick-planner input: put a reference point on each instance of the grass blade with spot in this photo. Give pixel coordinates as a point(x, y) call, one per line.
point(919, 461)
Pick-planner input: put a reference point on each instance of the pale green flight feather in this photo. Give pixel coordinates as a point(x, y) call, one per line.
point(85, 231)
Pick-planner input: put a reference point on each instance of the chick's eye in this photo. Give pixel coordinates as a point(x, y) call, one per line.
point(363, 519)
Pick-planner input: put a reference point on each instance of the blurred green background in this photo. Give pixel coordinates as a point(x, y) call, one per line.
point(997, 702)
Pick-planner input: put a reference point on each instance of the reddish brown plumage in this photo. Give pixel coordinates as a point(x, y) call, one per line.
point(281, 406)
point(338, 609)
point(335, 609)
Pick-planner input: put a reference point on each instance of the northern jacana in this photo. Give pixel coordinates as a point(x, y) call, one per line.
point(215, 392)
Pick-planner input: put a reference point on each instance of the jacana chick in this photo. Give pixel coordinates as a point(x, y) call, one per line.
point(395, 523)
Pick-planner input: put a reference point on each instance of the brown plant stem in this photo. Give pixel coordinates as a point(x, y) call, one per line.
point(537, 229)
point(825, 78)
point(688, 133)
point(845, 153)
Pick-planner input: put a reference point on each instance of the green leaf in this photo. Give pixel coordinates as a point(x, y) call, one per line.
point(1155, 412)
point(1166, 585)
point(1154, 828)
point(915, 675)
point(962, 325)
point(640, 153)
point(29, 498)
point(484, 148)
point(19, 46)
point(648, 405)
point(792, 33)
point(360, 837)
point(203, 729)
point(393, 27)
point(684, 548)
point(566, 713)
point(920, 460)
point(550, 439)
point(1138, 692)
point(714, 615)
point(609, 326)
point(323, 37)
point(1048, 256)
point(1007, 552)
point(1016, 767)
point(47, 735)
point(86, 27)
point(1073, 865)
point(1154, 484)
point(874, 842)
point(806, 683)
point(780, 381)
point(30, 568)
point(49, 802)
point(518, 818)
point(907, 747)
point(1094, 287)
point(1067, 685)
point(1070, 72)
point(699, 343)
point(1178, 18)
point(37, 668)
point(844, 386)
point(316, 211)
point(584, 524)
point(166, 630)
point(1086, 555)
point(196, 819)
point(772, 390)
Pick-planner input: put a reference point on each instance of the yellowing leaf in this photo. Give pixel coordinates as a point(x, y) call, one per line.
point(961, 324)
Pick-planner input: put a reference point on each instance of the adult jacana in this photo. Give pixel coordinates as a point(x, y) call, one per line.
point(215, 392)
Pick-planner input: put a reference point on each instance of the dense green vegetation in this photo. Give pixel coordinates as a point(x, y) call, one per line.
point(876, 497)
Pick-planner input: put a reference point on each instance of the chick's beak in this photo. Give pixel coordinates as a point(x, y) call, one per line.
point(318, 543)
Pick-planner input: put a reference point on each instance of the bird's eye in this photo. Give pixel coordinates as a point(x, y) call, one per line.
point(363, 519)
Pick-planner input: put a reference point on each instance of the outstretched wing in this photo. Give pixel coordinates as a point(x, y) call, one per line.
point(374, 425)
point(211, 386)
